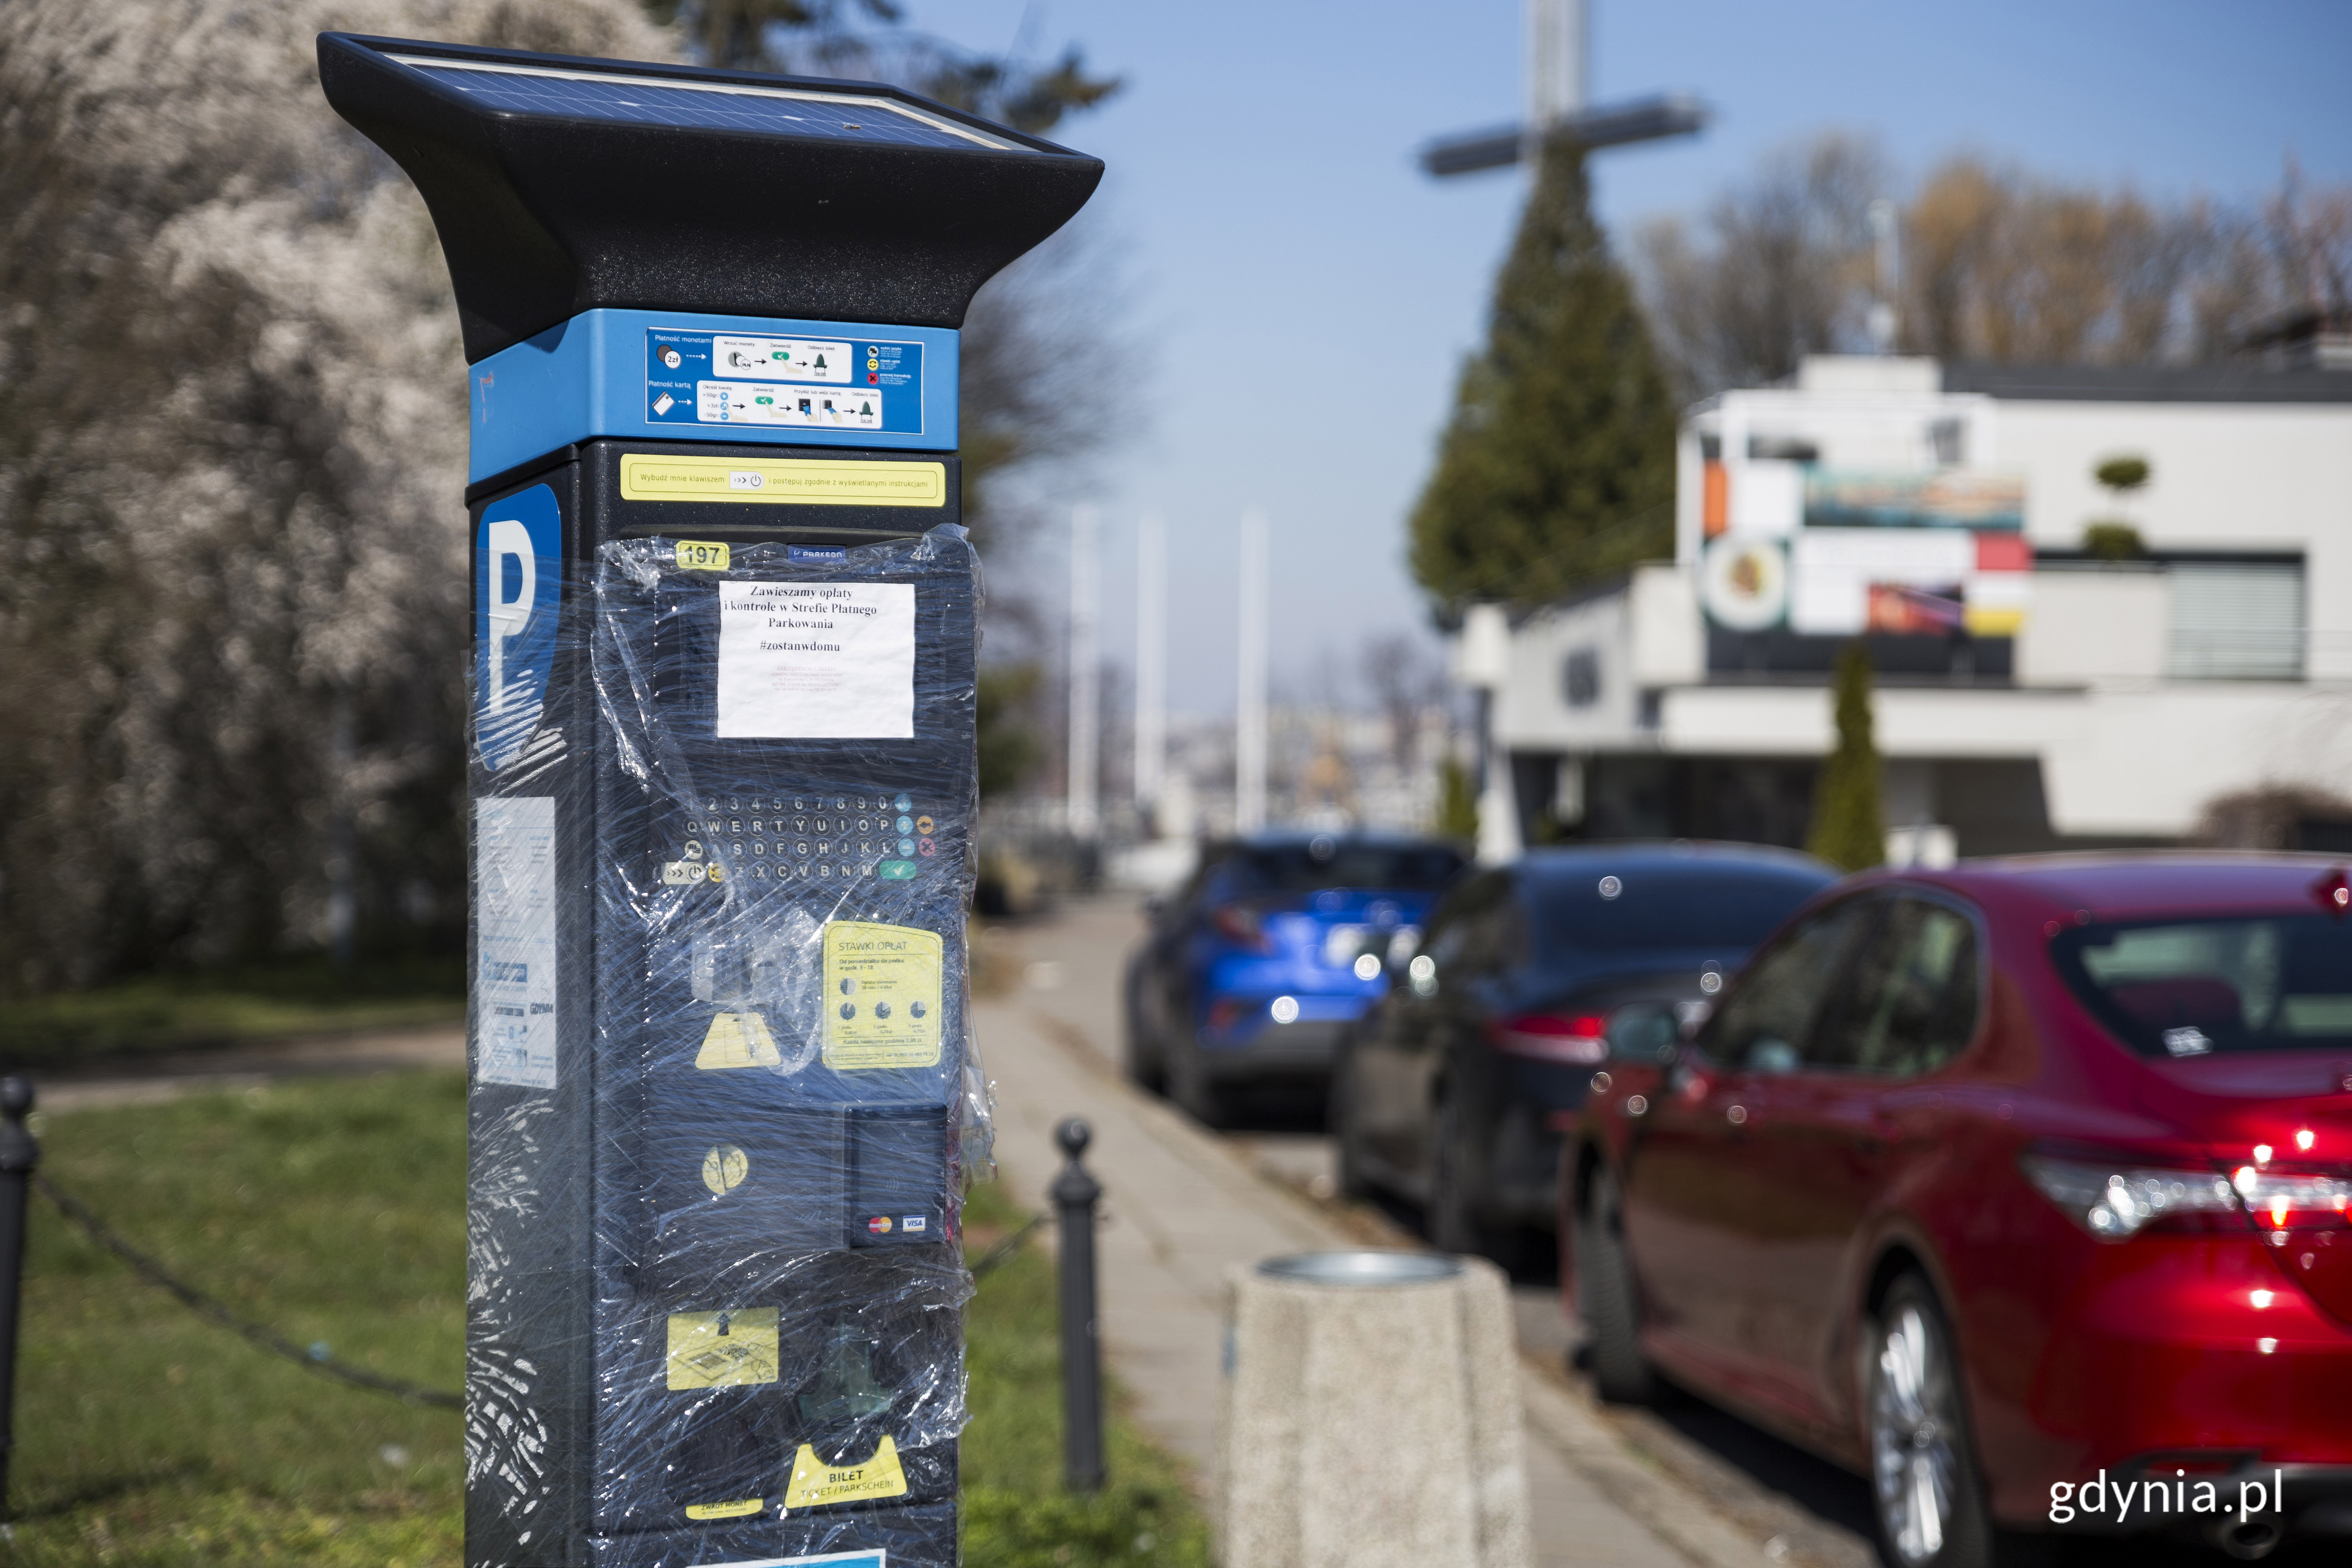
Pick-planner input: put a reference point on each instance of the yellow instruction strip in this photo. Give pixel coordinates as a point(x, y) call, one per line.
point(882, 993)
point(816, 1482)
point(722, 1349)
point(783, 481)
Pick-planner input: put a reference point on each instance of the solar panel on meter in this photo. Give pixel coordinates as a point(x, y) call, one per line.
point(705, 106)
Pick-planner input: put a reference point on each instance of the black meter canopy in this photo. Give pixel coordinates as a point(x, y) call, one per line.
point(561, 184)
point(723, 1098)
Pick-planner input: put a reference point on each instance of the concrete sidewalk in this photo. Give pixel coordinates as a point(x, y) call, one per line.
point(1183, 1208)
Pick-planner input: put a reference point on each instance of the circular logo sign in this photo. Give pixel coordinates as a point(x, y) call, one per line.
point(1744, 583)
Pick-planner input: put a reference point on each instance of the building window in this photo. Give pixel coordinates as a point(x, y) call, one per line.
point(1583, 678)
point(2236, 621)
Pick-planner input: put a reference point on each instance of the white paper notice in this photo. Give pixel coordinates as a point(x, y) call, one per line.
point(816, 661)
point(514, 926)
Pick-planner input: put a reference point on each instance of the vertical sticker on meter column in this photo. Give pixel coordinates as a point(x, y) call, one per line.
point(883, 987)
point(816, 661)
point(517, 594)
point(514, 925)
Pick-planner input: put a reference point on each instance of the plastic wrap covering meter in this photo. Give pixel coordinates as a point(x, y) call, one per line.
point(723, 1097)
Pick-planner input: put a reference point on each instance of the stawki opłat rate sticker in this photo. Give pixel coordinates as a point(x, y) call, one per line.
point(883, 987)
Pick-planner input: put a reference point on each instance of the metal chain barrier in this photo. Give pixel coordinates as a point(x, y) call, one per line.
point(213, 1309)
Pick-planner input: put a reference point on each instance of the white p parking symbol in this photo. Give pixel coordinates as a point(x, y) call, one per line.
point(505, 539)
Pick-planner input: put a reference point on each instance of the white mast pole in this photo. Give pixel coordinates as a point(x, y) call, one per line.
point(1249, 708)
point(1150, 664)
point(1085, 673)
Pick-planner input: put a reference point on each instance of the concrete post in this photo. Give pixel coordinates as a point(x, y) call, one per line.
point(1371, 1416)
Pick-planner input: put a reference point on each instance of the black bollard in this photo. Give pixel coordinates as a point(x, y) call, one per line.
point(1073, 1193)
point(18, 1155)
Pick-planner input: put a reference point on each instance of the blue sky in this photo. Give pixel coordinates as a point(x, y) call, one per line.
point(1306, 294)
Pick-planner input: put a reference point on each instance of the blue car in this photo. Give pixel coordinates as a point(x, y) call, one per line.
point(1252, 971)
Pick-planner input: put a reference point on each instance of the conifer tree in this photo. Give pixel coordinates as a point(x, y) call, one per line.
point(1558, 464)
point(1457, 803)
point(1849, 827)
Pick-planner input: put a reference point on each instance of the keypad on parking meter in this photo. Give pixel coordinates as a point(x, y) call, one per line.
point(811, 833)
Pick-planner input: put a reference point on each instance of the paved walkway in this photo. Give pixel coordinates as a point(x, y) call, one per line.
point(145, 1080)
point(1184, 1206)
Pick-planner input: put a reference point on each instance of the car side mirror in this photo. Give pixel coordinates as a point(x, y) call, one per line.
point(1646, 1032)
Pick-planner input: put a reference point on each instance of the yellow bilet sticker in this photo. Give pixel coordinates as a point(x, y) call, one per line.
point(882, 994)
point(816, 1483)
point(695, 555)
point(737, 1040)
point(722, 1349)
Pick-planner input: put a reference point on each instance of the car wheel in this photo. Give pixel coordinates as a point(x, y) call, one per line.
point(1612, 1305)
point(1190, 1086)
point(1339, 1121)
point(1453, 1222)
point(1931, 1506)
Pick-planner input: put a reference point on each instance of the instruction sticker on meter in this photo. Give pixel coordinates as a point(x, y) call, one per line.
point(814, 385)
point(882, 996)
point(722, 1349)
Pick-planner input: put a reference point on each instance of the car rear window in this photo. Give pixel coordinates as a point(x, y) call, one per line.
point(1300, 870)
point(1684, 906)
point(2187, 988)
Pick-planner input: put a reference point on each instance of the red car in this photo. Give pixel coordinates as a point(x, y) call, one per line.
point(2018, 1188)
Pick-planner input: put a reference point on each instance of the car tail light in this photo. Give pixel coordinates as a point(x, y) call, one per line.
point(2115, 1199)
point(2305, 1216)
point(1241, 923)
point(1581, 1039)
point(2282, 1200)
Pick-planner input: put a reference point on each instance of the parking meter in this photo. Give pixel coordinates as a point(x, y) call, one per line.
point(721, 779)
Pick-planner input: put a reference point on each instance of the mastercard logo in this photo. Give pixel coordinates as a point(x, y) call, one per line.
point(879, 1224)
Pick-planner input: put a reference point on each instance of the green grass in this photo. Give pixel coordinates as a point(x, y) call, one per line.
point(199, 1010)
point(334, 1209)
point(1016, 1514)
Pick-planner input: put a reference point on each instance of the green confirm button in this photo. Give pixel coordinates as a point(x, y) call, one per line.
point(895, 871)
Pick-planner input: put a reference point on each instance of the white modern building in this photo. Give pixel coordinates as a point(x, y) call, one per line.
point(2033, 692)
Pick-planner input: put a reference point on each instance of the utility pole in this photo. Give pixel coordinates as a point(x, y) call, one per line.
point(1086, 676)
point(1150, 668)
point(1557, 101)
point(1249, 706)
